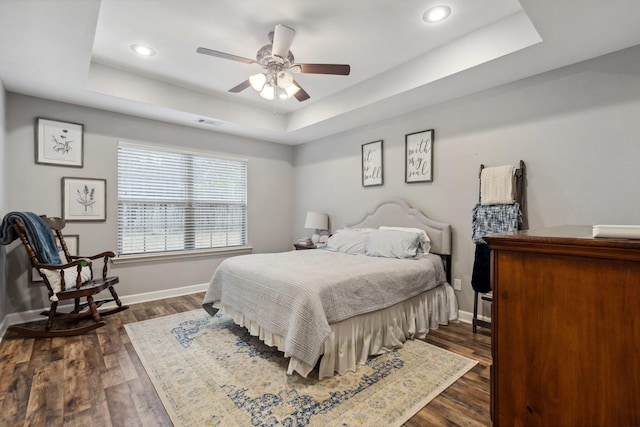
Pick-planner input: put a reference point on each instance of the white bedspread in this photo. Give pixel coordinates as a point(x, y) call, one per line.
point(297, 294)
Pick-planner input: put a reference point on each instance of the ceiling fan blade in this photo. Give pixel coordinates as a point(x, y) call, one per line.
point(282, 39)
point(301, 95)
point(223, 55)
point(338, 69)
point(242, 86)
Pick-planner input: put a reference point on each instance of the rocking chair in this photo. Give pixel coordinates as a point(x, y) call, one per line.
point(71, 279)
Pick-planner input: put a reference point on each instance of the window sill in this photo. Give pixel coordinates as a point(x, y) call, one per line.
point(127, 259)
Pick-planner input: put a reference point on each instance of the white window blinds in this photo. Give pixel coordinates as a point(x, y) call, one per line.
point(178, 201)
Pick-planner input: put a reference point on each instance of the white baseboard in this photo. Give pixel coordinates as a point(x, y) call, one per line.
point(467, 317)
point(33, 315)
point(169, 293)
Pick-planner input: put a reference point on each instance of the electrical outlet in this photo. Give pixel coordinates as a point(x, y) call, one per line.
point(457, 284)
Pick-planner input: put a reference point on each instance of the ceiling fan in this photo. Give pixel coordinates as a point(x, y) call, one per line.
point(277, 60)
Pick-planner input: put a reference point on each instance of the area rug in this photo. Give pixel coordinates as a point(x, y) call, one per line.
point(209, 371)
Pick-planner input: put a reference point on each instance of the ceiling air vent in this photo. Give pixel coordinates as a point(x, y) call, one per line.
point(209, 122)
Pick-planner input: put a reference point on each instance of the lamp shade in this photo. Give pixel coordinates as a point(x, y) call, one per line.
point(316, 220)
point(268, 92)
point(292, 90)
point(284, 79)
point(257, 81)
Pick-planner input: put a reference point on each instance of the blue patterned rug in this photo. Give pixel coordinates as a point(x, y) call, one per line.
point(209, 371)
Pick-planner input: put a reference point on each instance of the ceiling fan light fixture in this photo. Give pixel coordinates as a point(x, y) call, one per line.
point(436, 14)
point(277, 61)
point(257, 81)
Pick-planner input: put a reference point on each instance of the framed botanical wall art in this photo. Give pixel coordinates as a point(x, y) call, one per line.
point(372, 164)
point(418, 157)
point(84, 199)
point(73, 245)
point(59, 143)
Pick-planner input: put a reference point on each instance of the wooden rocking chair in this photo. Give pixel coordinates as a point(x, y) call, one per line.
point(83, 286)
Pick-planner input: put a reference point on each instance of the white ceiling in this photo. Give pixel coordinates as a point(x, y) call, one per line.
point(78, 51)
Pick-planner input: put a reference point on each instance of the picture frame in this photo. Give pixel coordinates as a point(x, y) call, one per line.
point(418, 152)
point(59, 143)
point(84, 199)
point(73, 245)
point(372, 165)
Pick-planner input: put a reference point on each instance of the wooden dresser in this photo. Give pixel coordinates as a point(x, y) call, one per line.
point(565, 329)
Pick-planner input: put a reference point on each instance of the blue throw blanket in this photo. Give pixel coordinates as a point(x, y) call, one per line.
point(488, 219)
point(38, 234)
point(494, 219)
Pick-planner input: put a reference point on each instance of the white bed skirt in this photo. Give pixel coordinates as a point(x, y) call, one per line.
point(353, 340)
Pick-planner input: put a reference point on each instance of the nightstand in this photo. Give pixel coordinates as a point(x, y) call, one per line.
point(303, 246)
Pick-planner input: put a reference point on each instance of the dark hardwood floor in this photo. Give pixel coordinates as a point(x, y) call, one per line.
point(96, 379)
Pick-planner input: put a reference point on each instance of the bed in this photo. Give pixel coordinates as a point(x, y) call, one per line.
point(363, 295)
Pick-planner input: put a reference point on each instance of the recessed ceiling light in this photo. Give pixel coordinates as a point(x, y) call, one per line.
point(436, 14)
point(142, 50)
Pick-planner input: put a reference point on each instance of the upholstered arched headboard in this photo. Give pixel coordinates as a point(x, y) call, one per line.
point(399, 214)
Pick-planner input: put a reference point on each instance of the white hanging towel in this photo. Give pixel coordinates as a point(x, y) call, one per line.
point(497, 185)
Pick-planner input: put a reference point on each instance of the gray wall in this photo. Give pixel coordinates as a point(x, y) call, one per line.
point(576, 128)
point(3, 202)
point(37, 188)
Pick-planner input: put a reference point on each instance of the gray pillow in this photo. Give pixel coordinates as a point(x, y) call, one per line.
point(394, 244)
point(348, 241)
point(424, 237)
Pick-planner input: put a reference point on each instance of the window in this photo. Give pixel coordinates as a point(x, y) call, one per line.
point(172, 201)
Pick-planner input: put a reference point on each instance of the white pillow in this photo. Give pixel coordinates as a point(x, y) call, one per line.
point(394, 244)
point(349, 241)
point(424, 237)
point(70, 277)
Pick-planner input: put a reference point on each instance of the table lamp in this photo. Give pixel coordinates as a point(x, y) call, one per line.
point(320, 223)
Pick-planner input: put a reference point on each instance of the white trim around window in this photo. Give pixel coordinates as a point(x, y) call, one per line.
point(177, 204)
